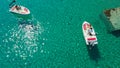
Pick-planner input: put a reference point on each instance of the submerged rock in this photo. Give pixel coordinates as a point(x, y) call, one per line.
point(113, 16)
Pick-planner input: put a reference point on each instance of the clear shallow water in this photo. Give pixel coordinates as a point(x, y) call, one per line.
point(52, 35)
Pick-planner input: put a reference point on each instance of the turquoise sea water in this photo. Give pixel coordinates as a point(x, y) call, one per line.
point(57, 40)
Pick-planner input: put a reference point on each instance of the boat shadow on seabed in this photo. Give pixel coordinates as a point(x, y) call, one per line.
point(93, 52)
point(25, 17)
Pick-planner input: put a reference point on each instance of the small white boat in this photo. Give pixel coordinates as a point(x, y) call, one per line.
point(90, 37)
point(19, 10)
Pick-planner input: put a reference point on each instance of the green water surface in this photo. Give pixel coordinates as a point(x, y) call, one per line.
point(57, 41)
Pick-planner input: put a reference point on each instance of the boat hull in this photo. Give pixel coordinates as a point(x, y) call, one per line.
point(89, 39)
point(23, 10)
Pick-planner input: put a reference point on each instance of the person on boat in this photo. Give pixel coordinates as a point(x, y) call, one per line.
point(17, 7)
point(90, 30)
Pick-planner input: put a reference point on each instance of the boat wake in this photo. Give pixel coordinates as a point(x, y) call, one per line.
point(22, 41)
